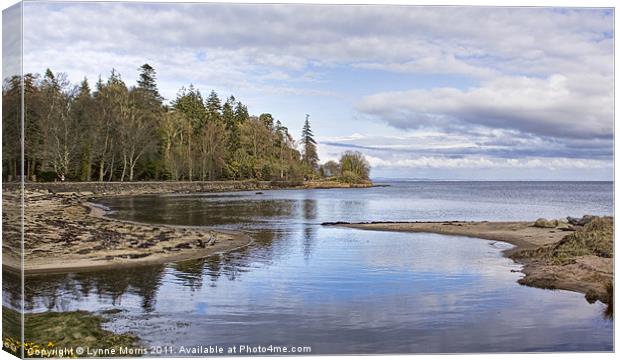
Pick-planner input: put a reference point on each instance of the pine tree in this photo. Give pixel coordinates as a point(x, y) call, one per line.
point(228, 115)
point(241, 113)
point(310, 156)
point(82, 110)
point(190, 103)
point(214, 107)
point(147, 81)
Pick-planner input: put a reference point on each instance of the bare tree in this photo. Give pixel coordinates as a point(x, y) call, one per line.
point(212, 150)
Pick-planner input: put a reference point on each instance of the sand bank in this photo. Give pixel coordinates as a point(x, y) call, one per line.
point(66, 233)
point(552, 258)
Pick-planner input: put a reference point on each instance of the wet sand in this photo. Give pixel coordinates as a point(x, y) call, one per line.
point(66, 233)
point(587, 274)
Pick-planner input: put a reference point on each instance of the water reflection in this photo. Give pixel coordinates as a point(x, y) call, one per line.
point(337, 290)
point(358, 292)
point(62, 291)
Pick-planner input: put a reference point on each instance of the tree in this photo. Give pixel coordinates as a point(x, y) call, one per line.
point(147, 82)
point(147, 110)
point(353, 167)
point(11, 127)
point(228, 116)
point(115, 131)
point(267, 120)
point(213, 107)
point(257, 141)
point(212, 150)
point(331, 168)
point(82, 111)
point(241, 113)
point(60, 128)
point(310, 156)
point(113, 125)
point(171, 135)
point(190, 105)
point(137, 132)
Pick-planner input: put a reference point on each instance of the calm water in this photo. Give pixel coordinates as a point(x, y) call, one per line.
point(344, 290)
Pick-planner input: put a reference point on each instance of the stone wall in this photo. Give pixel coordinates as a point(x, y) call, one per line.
point(146, 187)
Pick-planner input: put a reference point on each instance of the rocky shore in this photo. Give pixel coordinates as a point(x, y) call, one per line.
point(167, 187)
point(568, 254)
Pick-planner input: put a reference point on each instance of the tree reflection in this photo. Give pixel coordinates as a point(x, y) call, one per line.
point(56, 292)
point(199, 210)
point(309, 207)
point(190, 272)
point(62, 292)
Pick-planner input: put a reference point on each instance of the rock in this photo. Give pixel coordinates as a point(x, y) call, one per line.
point(544, 223)
point(580, 222)
point(565, 226)
point(66, 193)
point(138, 256)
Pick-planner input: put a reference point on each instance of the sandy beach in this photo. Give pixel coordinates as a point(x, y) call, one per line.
point(66, 233)
point(541, 250)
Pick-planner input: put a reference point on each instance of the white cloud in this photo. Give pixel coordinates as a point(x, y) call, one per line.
point(480, 42)
point(558, 105)
point(11, 42)
point(486, 162)
point(531, 85)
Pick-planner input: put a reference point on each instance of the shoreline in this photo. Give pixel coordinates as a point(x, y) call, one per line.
point(587, 274)
point(66, 231)
point(101, 189)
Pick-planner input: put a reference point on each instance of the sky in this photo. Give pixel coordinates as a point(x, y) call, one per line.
point(454, 93)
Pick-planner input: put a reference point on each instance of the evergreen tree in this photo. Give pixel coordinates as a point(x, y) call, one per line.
point(147, 81)
point(241, 113)
point(190, 105)
point(82, 111)
point(213, 107)
point(310, 156)
point(228, 116)
point(189, 102)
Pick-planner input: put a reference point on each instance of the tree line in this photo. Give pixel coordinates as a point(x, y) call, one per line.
point(117, 132)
